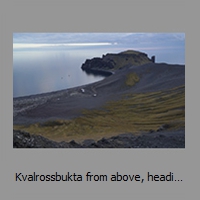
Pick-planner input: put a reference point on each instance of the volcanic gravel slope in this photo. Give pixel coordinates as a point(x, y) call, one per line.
point(69, 103)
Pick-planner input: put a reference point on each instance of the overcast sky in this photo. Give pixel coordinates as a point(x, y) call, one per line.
point(148, 40)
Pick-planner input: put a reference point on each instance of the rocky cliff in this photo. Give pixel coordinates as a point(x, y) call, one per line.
point(111, 62)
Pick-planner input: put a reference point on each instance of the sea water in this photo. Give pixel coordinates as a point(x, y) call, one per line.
point(40, 71)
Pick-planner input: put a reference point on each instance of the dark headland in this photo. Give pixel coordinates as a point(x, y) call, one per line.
point(111, 62)
point(141, 104)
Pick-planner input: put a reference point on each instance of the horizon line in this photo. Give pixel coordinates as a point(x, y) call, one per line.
point(39, 45)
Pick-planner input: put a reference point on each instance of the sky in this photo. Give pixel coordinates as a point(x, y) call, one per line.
point(137, 40)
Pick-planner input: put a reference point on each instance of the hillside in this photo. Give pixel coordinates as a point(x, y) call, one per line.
point(135, 99)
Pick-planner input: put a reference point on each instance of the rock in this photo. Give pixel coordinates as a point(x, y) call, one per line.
point(88, 142)
point(153, 59)
point(111, 62)
point(163, 127)
point(82, 90)
point(73, 144)
point(128, 140)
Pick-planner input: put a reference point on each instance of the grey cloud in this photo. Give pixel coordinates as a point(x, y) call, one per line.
point(135, 39)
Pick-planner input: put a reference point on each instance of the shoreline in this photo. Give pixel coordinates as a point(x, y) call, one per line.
point(34, 100)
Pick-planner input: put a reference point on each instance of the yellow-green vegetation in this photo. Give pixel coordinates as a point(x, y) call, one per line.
point(132, 52)
point(131, 79)
point(133, 113)
point(127, 57)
